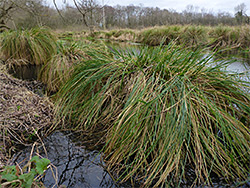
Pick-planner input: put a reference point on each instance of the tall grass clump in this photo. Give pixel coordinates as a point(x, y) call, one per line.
point(222, 37)
point(58, 69)
point(76, 110)
point(245, 36)
point(120, 35)
point(35, 46)
point(193, 36)
point(168, 111)
point(126, 35)
point(154, 36)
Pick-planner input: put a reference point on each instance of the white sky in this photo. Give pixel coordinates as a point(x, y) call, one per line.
point(178, 5)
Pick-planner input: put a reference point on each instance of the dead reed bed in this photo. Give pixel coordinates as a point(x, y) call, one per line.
point(24, 115)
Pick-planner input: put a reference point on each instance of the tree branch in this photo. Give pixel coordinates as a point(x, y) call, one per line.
point(57, 9)
point(82, 13)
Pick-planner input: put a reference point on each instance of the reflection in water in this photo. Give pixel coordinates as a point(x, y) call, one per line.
point(238, 67)
point(243, 69)
point(77, 167)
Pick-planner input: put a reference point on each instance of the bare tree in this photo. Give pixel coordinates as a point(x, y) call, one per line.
point(6, 8)
point(22, 9)
point(240, 14)
point(86, 8)
point(90, 11)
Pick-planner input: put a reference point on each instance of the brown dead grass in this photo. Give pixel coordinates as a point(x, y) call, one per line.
point(24, 116)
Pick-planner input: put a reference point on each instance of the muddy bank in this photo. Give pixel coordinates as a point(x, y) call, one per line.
point(24, 115)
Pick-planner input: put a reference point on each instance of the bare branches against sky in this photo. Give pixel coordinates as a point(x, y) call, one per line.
point(177, 5)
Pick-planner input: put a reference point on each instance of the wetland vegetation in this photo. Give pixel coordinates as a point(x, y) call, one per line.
point(163, 110)
point(164, 113)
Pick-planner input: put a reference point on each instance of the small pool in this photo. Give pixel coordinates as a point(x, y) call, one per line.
point(77, 166)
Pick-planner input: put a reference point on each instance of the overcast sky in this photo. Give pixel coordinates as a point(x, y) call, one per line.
point(178, 5)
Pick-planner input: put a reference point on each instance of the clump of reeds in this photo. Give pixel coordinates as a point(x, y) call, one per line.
point(168, 110)
point(81, 74)
point(154, 36)
point(35, 46)
point(230, 38)
point(193, 36)
point(58, 69)
point(220, 37)
point(109, 34)
point(119, 35)
point(245, 37)
point(125, 35)
point(190, 35)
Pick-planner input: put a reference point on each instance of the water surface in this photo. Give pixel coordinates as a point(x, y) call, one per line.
point(77, 166)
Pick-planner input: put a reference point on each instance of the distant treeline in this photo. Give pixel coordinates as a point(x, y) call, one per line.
point(88, 13)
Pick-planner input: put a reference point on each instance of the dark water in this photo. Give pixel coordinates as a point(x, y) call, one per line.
point(77, 166)
point(25, 72)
